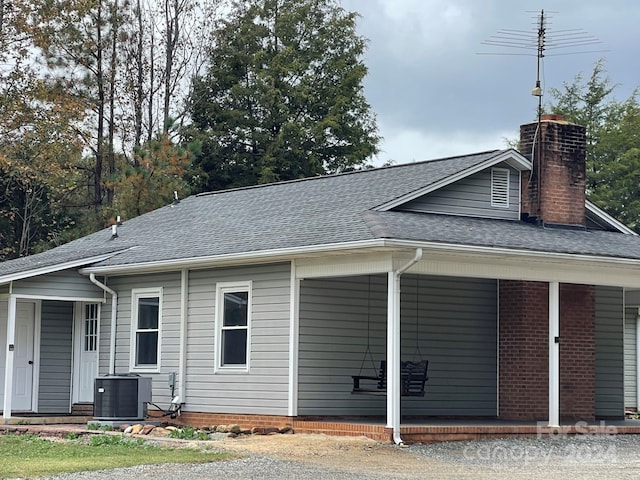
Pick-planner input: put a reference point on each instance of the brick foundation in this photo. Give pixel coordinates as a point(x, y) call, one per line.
point(299, 424)
point(524, 351)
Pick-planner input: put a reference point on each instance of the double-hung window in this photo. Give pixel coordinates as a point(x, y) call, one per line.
point(146, 323)
point(233, 326)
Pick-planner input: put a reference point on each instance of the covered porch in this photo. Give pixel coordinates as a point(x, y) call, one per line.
point(471, 316)
point(49, 330)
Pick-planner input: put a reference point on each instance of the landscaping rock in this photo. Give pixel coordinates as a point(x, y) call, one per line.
point(147, 429)
point(288, 430)
point(222, 429)
point(136, 429)
point(171, 428)
point(123, 427)
point(160, 432)
point(234, 429)
point(128, 429)
point(257, 431)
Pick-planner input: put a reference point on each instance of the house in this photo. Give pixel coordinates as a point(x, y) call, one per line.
point(264, 301)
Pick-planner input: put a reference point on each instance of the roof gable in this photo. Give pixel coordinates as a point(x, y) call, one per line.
point(605, 221)
point(510, 157)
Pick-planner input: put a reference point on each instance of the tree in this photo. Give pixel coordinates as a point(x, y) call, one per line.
point(613, 141)
point(282, 97)
point(38, 148)
point(159, 170)
point(164, 49)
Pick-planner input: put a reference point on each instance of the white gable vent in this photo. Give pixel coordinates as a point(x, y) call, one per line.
point(500, 187)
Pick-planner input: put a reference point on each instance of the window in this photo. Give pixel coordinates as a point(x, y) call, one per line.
point(90, 331)
point(233, 326)
point(500, 187)
point(146, 321)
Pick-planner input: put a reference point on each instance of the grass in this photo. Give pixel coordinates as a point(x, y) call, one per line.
point(189, 433)
point(29, 456)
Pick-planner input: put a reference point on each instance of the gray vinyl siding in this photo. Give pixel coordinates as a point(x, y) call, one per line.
point(457, 333)
point(630, 358)
point(593, 224)
point(170, 329)
point(56, 345)
point(609, 352)
point(4, 289)
point(470, 196)
point(264, 389)
point(66, 284)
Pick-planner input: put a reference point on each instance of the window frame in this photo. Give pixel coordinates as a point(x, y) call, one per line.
point(136, 295)
point(221, 289)
point(92, 338)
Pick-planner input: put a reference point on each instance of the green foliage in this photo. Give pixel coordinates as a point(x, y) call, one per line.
point(613, 141)
point(189, 433)
point(38, 153)
point(159, 169)
point(113, 440)
point(283, 96)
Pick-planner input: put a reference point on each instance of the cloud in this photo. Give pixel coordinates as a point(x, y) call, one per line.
point(414, 29)
point(435, 96)
point(414, 145)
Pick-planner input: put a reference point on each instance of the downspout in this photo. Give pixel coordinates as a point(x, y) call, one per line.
point(184, 316)
point(114, 312)
point(393, 394)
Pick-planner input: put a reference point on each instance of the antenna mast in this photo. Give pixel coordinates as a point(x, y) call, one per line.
point(540, 42)
point(537, 90)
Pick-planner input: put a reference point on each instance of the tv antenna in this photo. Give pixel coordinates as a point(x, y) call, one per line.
point(537, 42)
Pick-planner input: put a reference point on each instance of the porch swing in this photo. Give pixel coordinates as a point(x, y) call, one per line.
point(413, 373)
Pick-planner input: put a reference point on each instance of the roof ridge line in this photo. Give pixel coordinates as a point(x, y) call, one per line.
point(340, 174)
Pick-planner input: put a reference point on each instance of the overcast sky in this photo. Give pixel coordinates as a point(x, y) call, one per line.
point(434, 94)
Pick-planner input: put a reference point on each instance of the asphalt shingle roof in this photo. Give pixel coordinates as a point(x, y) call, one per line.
point(317, 211)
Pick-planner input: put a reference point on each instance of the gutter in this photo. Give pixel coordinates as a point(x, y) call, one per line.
point(114, 311)
point(393, 394)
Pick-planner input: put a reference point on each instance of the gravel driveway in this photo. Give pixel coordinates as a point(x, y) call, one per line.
point(318, 457)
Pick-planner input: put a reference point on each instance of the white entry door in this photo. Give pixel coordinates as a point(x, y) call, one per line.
point(22, 358)
point(86, 364)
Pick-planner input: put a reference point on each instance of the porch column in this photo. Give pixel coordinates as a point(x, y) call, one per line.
point(637, 339)
point(393, 350)
point(9, 351)
point(554, 354)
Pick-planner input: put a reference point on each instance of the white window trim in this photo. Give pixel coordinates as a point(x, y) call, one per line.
point(137, 293)
point(508, 187)
point(221, 289)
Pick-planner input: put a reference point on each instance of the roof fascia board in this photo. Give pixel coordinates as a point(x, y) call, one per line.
point(343, 248)
point(55, 268)
point(608, 219)
point(511, 156)
point(531, 266)
point(59, 298)
point(263, 256)
point(558, 257)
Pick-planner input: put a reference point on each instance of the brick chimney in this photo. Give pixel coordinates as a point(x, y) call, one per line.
point(554, 193)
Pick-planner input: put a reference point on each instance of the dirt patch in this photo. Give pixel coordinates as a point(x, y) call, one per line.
point(357, 454)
